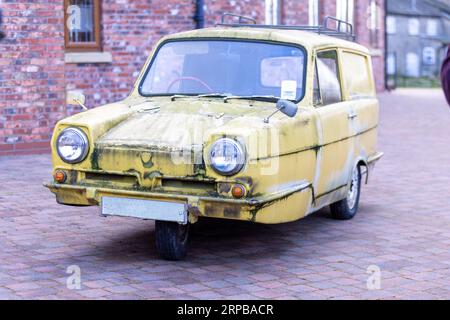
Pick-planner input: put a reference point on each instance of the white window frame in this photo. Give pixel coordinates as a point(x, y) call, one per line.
point(391, 64)
point(432, 27)
point(272, 10)
point(391, 25)
point(413, 26)
point(429, 52)
point(345, 10)
point(313, 12)
point(415, 71)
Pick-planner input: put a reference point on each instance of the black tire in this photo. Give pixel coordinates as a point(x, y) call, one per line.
point(171, 239)
point(347, 208)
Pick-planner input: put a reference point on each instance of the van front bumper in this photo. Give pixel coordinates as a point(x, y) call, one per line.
point(207, 206)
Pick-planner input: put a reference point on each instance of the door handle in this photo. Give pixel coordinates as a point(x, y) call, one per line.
point(352, 115)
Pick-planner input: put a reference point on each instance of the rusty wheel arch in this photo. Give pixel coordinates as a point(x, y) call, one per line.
point(363, 163)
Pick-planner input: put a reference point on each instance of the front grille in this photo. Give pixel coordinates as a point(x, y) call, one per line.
point(95, 178)
point(188, 185)
point(171, 185)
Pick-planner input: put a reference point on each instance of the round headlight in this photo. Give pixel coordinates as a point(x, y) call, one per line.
point(72, 145)
point(227, 156)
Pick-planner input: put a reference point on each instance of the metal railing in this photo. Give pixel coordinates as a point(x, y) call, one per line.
point(342, 29)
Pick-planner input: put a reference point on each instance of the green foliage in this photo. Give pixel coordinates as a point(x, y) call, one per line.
point(421, 82)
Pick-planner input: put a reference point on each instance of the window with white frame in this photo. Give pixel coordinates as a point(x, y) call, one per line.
point(391, 64)
point(82, 25)
point(429, 56)
point(432, 27)
point(391, 25)
point(345, 11)
point(412, 64)
point(272, 12)
point(413, 26)
point(313, 12)
point(373, 23)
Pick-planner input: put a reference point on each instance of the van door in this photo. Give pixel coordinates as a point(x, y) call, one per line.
point(359, 91)
point(333, 161)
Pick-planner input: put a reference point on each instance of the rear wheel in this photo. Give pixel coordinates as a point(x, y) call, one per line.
point(171, 239)
point(348, 207)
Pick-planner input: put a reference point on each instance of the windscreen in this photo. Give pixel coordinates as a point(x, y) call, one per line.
point(235, 68)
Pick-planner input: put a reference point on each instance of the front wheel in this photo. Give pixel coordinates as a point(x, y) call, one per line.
point(348, 207)
point(171, 239)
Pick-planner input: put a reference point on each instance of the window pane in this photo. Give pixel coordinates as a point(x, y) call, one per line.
point(330, 86)
point(81, 14)
point(228, 67)
point(345, 11)
point(357, 81)
point(432, 27)
point(313, 12)
point(391, 64)
point(316, 89)
point(276, 70)
point(412, 65)
point(413, 26)
point(391, 26)
point(429, 56)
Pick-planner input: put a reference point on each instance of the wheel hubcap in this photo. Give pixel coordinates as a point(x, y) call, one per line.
point(352, 194)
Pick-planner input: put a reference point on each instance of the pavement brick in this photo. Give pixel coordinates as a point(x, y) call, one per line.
point(401, 227)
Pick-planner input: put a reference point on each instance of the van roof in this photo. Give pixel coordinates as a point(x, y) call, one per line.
point(309, 40)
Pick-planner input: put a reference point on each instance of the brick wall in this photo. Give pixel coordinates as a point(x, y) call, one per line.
point(376, 46)
point(130, 34)
point(32, 74)
point(361, 17)
point(249, 8)
point(129, 30)
point(294, 12)
point(34, 78)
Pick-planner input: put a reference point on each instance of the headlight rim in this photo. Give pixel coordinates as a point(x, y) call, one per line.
point(84, 139)
point(241, 150)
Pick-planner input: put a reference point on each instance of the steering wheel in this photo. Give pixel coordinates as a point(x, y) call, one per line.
point(203, 83)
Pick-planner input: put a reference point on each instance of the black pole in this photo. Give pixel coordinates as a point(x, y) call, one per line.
point(386, 49)
point(199, 17)
point(2, 35)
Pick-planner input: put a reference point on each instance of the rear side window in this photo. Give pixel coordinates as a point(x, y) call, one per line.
point(357, 76)
point(327, 83)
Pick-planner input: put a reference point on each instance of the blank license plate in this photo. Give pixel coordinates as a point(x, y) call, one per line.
point(144, 209)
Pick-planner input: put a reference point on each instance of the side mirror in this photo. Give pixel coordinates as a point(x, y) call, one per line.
point(287, 107)
point(76, 98)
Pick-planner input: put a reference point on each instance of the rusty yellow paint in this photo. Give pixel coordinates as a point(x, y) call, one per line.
point(132, 143)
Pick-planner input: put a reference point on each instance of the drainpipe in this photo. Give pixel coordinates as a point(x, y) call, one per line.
point(2, 35)
point(199, 17)
point(386, 48)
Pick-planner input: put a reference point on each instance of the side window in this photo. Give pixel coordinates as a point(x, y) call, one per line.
point(327, 78)
point(317, 98)
point(358, 82)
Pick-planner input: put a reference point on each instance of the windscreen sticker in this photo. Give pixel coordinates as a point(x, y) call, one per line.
point(288, 89)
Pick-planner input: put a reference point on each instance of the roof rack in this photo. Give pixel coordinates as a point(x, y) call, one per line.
point(342, 30)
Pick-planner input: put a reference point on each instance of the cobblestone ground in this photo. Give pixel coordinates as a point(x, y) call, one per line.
point(403, 227)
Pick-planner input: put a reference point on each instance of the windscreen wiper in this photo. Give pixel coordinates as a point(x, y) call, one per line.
point(255, 97)
point(213, 95)
point(206, 95)
point(179, 96)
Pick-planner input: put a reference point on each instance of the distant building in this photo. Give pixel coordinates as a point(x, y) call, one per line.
point(418, 32)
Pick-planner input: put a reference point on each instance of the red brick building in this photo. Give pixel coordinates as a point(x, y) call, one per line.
point(40, 60)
